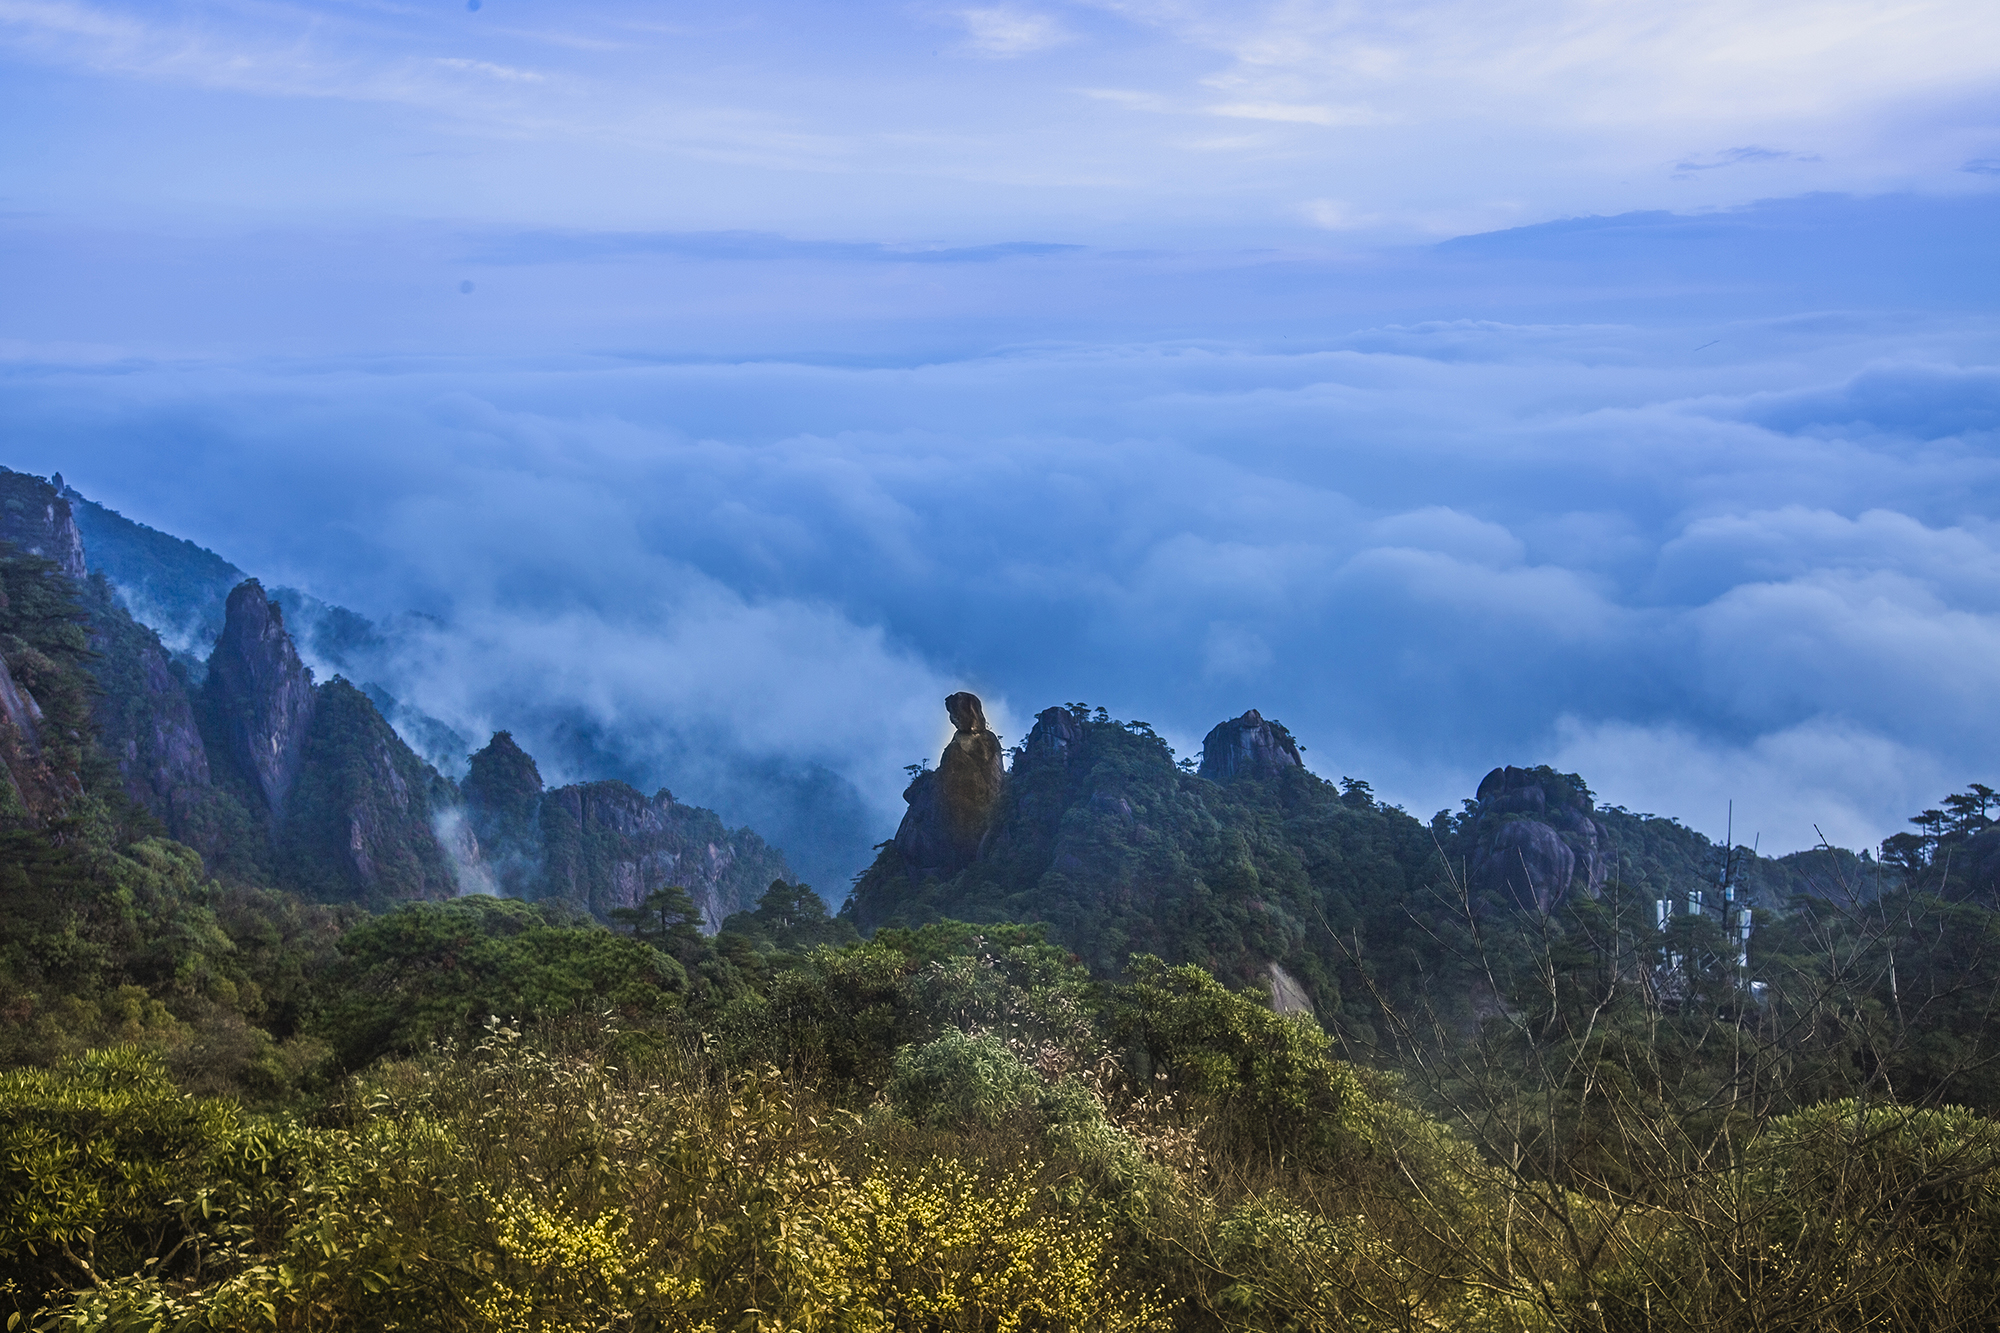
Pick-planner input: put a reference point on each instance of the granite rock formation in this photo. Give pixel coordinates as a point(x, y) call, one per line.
point(1248, 747)
point(38, 521)
point(1056, 735)
point(263, 693)
point(21, 775)
point(604, 846)
point(951, 805)
point(361, 820)
point(1535, 839)
point(148, 728)
point(19, 710)
point(502, 791)
point(1099, 834)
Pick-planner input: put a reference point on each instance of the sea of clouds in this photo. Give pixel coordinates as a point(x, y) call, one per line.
point(1697, 506)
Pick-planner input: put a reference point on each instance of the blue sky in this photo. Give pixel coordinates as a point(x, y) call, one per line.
point(1606, 384)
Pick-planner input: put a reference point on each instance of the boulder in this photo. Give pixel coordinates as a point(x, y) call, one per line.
point(1536, 839)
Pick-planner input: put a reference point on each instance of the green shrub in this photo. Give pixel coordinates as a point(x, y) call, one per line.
point(961, 1080)
point(105, 1167)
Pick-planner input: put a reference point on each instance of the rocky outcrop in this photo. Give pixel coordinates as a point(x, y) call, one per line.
point(262, 692)
point(36, 519)
point(1535, 839)
point(1056, 736)
point(970, 773)
point(950, 806)
point(604, 846)
point(1248, 747)
point(1287, 995)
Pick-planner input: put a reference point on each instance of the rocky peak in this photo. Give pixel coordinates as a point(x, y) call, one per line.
point(264, 692)
point(951, 805)
point(35, 517)
point(1535, 838)
point(502, 792)
point(502, 788)
point(1525, 791)
point(1248, 747)
point(1056, 735)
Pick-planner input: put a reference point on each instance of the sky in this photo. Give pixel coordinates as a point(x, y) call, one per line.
point(708, 389)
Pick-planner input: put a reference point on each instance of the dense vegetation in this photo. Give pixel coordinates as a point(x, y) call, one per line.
point(1049, 1092)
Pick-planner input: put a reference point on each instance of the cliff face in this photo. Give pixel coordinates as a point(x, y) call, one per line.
point(271, 779)
point(145, 718)
point(262, 692)
point(22, 779)
point(362, 820)
point(1535, 839)
point(45, 692)
point(604, 846)
point(38, 521)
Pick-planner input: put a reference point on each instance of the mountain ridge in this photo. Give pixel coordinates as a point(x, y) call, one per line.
point(275, 778)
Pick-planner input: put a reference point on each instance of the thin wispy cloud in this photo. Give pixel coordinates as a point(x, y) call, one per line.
point(1004, 31)
point(1442, 107)
point(1296, 114)
point(1736, 157)
point(491, 70)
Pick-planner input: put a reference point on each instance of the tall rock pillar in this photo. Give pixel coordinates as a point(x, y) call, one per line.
point(950, 806)
point(264, 693)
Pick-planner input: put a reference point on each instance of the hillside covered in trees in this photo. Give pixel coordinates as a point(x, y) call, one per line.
point(300, 1032)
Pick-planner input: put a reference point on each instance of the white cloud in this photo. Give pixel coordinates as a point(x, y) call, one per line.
point(1822, 776)
point(1293, 114)
point(1333, 215)
point(492, 71)
point(1006, 31)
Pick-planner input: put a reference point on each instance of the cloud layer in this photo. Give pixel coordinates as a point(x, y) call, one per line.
point(1697, 556)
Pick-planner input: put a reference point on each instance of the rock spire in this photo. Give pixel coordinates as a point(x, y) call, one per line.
point(951, 804)
point(264, 691)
